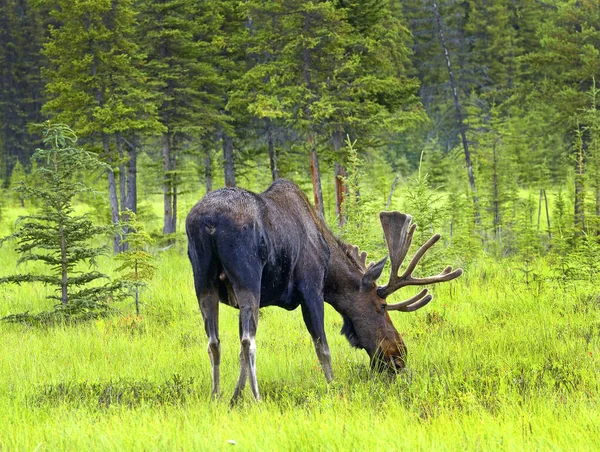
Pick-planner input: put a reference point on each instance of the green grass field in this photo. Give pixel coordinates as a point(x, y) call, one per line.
point(494, 363)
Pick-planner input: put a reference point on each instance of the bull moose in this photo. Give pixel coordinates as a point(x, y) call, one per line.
point(252, 250)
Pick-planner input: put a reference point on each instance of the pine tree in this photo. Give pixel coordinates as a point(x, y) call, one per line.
point(299, 48)
point(21, 37)
point(569, 61)
point(136, 261)
point(177, 37)
point(56, 236)
point(95, 83)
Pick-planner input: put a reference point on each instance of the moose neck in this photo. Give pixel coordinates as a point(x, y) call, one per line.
point(343, 279)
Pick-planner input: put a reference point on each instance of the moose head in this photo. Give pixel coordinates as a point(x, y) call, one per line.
point(367, 323)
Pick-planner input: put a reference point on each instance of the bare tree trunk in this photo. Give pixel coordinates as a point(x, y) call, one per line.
point(272, 153)
point(122, 174)
point(208, 170)
point(229, 164)
point(174, 186)
point(112, 194)
point(122, 189)
point(457, 106)
point(167, 185)
point(579, 208)
point(389, 200)
point(312, 143)
point(547, 215)
point(339, 173)
point(132, 176)
point(496, 194)
point(316, 177)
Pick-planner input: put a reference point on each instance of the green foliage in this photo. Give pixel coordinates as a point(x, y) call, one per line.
point(357, 208)
point(22, 24)
point(55, 236)
point(425, 206)
point(95, 81)
point(17, 177)
point(137, 265)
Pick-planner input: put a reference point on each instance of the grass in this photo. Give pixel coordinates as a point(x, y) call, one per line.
point(494, 363)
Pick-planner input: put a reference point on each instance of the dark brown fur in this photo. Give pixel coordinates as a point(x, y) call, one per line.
point(257, 250)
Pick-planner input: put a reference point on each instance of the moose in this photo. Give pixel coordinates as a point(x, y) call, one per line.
point(252, 250)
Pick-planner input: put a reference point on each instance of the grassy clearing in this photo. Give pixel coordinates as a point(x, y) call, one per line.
point(493, 364)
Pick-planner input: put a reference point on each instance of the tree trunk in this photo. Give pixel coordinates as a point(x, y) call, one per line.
point(208, 170)
point(174, 184)
point(112, 194)
point(167, 185)
point(122, 190)
point(229, 165)
point(389, 200)
point(547, 216)
point(339, 173)
point(122, 173)
point(272, 153)
point(579, 201)
point(64, 298)
point(132, 176)
point(457, 106)
point(496, 191)
point(316, 177)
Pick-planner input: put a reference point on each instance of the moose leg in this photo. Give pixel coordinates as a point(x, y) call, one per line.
point(241, 383)
point(209, 306)
point(313, 314)
point(248, 323)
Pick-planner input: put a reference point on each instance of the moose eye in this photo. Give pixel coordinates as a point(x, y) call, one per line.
point(384, 306)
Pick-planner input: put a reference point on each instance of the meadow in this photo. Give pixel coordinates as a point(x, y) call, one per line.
point(498, 361)
point(494, 363)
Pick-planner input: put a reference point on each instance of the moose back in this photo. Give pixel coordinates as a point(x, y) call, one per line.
point(252, 250)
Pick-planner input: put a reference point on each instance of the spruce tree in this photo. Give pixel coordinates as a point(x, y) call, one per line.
point(137, 264)
point(21, 37)
point(176, 37)
point(96, 84)
point(56, 236)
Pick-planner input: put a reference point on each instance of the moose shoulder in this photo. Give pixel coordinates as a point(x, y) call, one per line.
point(252, 250)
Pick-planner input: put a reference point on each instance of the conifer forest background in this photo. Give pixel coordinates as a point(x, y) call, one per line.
point(480, 118)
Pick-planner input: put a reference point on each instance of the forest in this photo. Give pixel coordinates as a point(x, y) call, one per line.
point(478, 118)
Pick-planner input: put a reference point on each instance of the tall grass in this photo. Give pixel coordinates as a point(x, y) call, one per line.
point(497, 361)
point(494, 363)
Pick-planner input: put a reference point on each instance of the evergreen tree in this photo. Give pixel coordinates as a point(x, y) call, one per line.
point(177, 37)
point(136, 261)
point(95, 83)
point(299, 48)
point(55, 235)
point(21, 37)
point(569, 61)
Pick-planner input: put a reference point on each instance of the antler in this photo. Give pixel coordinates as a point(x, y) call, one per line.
point(354, 252)
point(398, 235)
point(413, 303)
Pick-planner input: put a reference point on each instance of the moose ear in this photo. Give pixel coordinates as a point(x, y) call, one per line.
point(372, 274)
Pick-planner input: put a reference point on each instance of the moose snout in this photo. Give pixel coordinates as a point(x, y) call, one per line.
point(390, 359)
point(397, 362)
